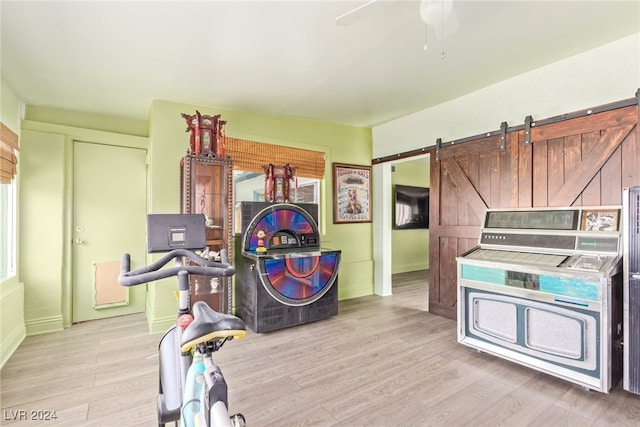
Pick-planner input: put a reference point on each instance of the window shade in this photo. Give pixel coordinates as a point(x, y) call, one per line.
point(249, 156)
point(8, 159)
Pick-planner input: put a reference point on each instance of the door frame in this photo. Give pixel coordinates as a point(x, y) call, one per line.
point(383, 227)
point(72, 135)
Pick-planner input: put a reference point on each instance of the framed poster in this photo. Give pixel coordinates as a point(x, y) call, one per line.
point(351, 193)
point(600, 220)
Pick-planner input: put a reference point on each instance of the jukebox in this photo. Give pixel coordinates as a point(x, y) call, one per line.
point(544, 289)
point(283, 278)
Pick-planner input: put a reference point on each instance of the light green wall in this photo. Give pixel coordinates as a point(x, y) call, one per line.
point(78, 119)
point(410, 248)
point(41, 232)
point(45, 231)
point(168, 142)
point(46, 207)
point(12, 330)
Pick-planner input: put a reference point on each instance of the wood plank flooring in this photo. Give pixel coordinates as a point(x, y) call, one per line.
point(380, 362)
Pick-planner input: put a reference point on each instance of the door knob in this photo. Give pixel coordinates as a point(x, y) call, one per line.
point(78, 241)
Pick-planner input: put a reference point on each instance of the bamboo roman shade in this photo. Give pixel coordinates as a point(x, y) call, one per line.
point(249, 156)
point(8, 159)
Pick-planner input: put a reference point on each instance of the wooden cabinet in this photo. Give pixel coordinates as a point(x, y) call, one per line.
point(206, 187)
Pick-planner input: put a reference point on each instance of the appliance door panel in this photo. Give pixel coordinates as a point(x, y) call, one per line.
point(555, 334)
point(543, 333)
point(497, 319)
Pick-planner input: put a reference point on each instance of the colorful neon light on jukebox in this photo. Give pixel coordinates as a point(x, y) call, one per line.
point(281, 228)
point(284, 278)
point(301, 278)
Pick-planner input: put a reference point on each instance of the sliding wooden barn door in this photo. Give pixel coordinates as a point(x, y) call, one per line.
point(586, 161)
point(466, 180)
point(581, 161)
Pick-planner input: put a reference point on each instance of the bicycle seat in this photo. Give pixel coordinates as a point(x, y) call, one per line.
point(208, 325)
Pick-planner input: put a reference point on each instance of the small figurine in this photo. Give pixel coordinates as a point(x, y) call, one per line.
point(207, 253)
point(261, 234)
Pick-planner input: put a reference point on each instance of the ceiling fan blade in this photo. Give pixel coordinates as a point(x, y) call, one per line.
point(361, 11)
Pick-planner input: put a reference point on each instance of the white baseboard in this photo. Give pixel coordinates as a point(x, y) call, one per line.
point(11, 342)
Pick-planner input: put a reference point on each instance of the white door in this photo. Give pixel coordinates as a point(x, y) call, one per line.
point(109, 219)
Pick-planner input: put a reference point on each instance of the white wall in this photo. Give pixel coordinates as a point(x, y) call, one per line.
point(606, 74)
point(600, 76)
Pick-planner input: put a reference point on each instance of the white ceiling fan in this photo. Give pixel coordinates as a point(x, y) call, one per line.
point(437, 14)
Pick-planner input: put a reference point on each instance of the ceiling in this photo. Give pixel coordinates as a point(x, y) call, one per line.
point(286, 58)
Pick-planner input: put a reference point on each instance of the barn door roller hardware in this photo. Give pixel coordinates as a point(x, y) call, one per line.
point(503, 135)
point(528, 122)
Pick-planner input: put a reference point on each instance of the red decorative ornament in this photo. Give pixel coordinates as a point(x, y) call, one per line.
point(277, 182)
point(208, 136)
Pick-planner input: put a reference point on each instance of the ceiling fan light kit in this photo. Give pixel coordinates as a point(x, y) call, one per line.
point(432, 12)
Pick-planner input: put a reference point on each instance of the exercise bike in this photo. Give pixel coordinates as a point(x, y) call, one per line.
point(192, 389)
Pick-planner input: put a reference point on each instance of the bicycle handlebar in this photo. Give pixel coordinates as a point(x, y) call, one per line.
point(154, 271)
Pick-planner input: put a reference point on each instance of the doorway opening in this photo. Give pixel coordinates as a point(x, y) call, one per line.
point(409, 249)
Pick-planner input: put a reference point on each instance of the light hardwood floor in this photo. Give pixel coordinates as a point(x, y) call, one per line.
point(380, 362)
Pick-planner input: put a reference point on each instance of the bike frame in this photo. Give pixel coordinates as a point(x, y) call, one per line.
point(186, 378)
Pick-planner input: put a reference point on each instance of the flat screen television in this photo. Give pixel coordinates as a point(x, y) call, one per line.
point(411, 207)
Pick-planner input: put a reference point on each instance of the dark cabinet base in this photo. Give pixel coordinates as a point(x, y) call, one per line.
point(263, 313)
point(266, 314)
